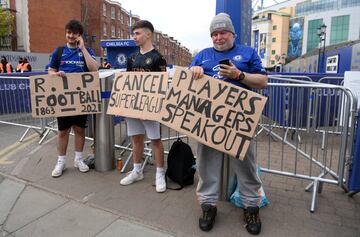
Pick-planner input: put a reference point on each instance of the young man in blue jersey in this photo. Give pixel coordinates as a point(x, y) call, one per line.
point(243, 69)
point(147, 59)
point(75, 57)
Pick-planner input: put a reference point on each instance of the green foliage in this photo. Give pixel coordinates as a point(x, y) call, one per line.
point(6, 22)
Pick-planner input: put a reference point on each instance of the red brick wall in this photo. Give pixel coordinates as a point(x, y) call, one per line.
point(47, 19)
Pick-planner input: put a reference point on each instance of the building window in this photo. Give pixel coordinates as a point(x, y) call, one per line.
point(104, 29)
point(104, 9)
point(312, 7)
point(350, 3)
point(274, 27)
point(119, 33)
point(119, 15)
point(112, 12)
point(273, 39)
point(313, 38)
point(113, 33)
point(122, 18)
point(339, 29)
point(273, 52)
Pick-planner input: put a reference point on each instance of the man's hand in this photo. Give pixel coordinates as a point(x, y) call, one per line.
point(197, 72)
point(80, 42)
point(229, 71)
point(61, 74)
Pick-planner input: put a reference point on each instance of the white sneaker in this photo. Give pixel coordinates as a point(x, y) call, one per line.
point(59, 168)
point(81, 165)
point(160, 184)
point(132, 177)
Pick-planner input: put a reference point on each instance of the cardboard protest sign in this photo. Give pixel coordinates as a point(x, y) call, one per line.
point(75, 94)
point(138, 94)
point(213, 112)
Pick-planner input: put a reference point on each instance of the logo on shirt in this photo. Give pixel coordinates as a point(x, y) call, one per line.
point(216, 71)
point(80, 54)
point(148, 61)
point(237, 58)
point(204, 61)
point(121, 59)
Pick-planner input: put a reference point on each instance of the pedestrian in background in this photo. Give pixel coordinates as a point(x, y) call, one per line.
point(5, 66)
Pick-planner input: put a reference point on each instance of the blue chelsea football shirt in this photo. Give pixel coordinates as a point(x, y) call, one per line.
point(72, 60)
point(243, 57)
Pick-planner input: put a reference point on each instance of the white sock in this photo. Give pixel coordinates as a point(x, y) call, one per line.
point(159, 172)
point(78, 155)
point(61, 158)
point(137, 167)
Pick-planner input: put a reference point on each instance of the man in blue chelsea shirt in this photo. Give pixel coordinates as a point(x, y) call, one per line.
point(241, 66)
point(75, 57)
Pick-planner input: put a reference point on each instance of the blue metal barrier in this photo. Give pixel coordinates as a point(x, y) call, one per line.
point(285, 103)
point(15, 92)
point(354, 169)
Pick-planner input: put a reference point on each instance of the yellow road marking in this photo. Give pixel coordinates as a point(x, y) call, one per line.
point(6, 153)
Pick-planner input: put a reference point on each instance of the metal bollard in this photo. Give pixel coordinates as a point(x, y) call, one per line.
point(104, 131)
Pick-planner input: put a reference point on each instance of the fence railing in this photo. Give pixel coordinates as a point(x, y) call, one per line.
point(306, 130)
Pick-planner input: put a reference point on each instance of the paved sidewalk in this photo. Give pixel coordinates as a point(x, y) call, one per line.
point(32, 203)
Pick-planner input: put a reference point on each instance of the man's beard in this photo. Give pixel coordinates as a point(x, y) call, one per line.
point(228, 45)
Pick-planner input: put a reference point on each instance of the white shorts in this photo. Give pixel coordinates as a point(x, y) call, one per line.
point(137, 127)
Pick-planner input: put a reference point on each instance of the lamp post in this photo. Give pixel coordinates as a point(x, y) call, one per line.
point(321, 32)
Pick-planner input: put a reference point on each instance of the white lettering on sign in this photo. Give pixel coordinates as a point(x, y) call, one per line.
point(113, 44)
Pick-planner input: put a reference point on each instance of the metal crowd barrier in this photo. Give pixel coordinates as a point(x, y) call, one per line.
point(306, 130)
point(15, 107)
point(322, 116)
point(332, 80)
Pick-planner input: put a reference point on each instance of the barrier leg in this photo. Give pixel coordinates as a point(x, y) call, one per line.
point(310, 186)
point(126, 162)
point(25, 133)
point(44, 136)
point(352, 193)
point(314, 194)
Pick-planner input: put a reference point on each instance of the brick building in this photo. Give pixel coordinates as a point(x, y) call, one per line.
point(40, 26)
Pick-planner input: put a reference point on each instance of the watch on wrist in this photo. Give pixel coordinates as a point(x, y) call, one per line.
point(241, 76)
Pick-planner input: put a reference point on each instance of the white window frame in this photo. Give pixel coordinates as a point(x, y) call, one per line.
point(104, 9)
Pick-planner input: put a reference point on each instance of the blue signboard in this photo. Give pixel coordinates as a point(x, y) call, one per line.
point(295, 37)
point(240, 14)
point(262, 51)
point(14, 96)
point(256, 41)
point(354, 170)
point(118, 51)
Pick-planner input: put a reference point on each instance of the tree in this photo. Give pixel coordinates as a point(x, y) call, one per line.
point(6, 22)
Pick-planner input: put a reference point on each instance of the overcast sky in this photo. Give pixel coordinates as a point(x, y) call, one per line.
point(186, 20)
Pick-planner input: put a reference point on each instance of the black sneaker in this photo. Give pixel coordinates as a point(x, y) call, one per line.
point(207, 220)
point(252, 220)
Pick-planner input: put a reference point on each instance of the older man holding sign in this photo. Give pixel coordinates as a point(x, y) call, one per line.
point(241, 66)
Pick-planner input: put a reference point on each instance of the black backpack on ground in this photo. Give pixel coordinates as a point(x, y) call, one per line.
point(180, 164)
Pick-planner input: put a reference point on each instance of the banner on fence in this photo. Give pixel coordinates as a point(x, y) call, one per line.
point(213, 112)
point(14, 96)
point(138, 94)
point(75, 94)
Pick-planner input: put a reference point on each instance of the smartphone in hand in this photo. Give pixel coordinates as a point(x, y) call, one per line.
point(224, 61)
